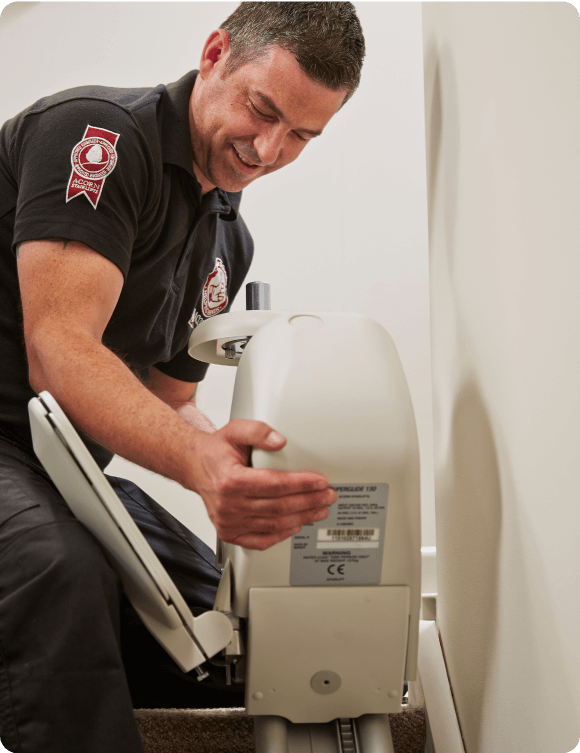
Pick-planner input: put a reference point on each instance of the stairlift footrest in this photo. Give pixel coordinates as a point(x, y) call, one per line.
point(319, 653)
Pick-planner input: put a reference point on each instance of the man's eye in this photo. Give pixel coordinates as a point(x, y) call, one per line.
point(259, 112)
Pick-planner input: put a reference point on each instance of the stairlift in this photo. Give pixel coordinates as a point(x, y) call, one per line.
point(323, 627)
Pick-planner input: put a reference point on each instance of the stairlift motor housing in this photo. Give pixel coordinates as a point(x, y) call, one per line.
point(332, 613)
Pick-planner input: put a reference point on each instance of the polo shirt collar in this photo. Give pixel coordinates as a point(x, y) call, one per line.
point(176, 142)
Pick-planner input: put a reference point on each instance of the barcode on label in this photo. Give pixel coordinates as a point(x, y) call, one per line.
point(348, 534)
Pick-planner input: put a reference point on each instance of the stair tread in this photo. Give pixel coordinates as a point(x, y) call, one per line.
point(232, 730)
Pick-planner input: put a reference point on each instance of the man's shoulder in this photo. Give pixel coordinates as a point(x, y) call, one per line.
point(144, 112)
point(63, 118)
point(123, 100)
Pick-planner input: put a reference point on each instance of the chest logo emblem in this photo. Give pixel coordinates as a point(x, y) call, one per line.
point(93, 159)
point(215, 290)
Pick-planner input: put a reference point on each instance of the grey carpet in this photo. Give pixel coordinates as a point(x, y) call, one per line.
point(232, 730)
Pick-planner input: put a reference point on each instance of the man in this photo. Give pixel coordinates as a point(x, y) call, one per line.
point(122, 209)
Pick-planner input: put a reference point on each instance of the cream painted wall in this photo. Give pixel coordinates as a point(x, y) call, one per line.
point(344, 228)
point(503, 157)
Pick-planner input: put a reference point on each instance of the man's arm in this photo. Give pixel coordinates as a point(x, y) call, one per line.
point(68, 296)
point(181, 397)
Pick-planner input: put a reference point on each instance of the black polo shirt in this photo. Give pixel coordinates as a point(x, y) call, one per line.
point(113, 168)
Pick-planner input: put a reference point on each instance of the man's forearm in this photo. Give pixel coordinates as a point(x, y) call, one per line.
point(102, 396)
point(181, 396)
point(195, 417)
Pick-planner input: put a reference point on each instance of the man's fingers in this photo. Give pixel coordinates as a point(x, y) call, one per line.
point(282, 507)
point(271, 516)
point(277, 525)
point(271, 520)
point(265, 483)
point(273, 525)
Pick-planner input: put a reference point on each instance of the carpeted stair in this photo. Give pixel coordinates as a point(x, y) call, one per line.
point(232, 730)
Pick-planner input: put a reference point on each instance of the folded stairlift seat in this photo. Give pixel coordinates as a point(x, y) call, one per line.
point(189, 640)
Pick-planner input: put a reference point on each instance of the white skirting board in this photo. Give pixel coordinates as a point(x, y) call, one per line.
point(432, 691)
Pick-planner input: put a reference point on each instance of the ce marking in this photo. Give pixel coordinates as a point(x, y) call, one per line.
point(339, 569)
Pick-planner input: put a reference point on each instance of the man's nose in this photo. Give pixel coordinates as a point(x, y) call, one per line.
point(268, 144)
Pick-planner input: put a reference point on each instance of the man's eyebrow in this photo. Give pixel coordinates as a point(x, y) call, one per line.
point(265, 99)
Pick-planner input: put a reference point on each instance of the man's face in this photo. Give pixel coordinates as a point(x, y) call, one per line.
point(257, 119)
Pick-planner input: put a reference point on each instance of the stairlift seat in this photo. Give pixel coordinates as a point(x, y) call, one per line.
point(188, 640)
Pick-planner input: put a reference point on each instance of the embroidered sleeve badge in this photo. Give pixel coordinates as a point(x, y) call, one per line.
point(93, 159)
point(215, 290)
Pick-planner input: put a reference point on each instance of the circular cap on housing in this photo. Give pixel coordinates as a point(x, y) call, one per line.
point(325, 682)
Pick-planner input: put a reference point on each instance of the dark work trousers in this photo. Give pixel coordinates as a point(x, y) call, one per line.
point(75, 659)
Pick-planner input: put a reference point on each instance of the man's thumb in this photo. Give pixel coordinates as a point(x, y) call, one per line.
point(273, 441)
point(256, 434)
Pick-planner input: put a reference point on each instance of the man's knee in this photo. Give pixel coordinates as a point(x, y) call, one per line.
point(60, 564)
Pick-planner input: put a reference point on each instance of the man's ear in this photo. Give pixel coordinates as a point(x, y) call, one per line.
point(215, 53)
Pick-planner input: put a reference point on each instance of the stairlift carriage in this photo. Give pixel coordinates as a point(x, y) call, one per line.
point(322, 627)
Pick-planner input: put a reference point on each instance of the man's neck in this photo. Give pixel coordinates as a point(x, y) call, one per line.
point(206, 186)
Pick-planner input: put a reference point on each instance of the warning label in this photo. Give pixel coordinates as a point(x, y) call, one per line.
point(346, 549)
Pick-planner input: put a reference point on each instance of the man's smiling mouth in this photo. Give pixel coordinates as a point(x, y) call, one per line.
point(244, 160)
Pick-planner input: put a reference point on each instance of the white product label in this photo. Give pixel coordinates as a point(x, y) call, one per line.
point(346, 549)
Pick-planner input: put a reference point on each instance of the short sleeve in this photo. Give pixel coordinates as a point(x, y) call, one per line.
point(183, 367)
point(82, 170)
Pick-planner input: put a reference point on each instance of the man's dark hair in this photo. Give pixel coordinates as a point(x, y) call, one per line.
point(325, 38)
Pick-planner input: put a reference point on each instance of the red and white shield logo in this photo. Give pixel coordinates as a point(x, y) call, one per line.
point(92, 159)
point(215, 290)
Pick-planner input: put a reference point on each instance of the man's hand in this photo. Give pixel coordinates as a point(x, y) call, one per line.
point(252, 508)
point(255, 508)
